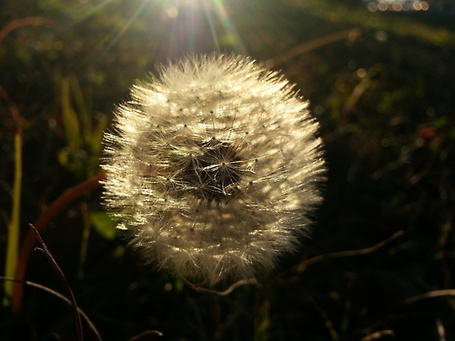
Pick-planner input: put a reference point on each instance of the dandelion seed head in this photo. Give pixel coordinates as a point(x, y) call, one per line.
point(213, 168)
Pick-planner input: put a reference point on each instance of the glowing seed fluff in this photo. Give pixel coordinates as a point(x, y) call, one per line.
point(213, 167)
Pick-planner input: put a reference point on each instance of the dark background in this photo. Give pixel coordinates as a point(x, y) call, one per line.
point(382, 85)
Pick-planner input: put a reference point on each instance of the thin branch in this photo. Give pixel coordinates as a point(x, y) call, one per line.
point(430, 294)
point(43, 221)
point(234, 286)
point(441, 330)
point(378, 335)
point(147, 333)
point(62, 278)
point(301, 267)
point(60, 296)
point(350, 34)
point(327, 321)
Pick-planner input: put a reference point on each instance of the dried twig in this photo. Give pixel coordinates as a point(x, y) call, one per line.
point(327, 321)
point(148, 334)
point(430, 294)
point(60, 296)
point(378, 335)
point(234, 286)
point(350, 253)
point(61, 276)
point(350, 34)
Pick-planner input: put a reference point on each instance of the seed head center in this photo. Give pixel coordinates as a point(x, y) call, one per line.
point(215, 173)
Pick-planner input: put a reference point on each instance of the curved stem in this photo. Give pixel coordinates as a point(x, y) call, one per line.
point(60, 296)
point(22, 22)
point(234, 286)
point(350, 253)
point(61, 276)
point(43, 221)
point(350, 34)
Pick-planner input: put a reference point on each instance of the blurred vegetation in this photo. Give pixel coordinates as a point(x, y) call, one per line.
point(382, 86)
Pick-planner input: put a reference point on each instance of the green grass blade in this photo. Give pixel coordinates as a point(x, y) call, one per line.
point(14, 226)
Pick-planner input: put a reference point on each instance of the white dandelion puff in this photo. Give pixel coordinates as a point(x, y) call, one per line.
point(213, 168)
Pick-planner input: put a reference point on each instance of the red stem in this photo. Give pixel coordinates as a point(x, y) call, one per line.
point(22, 22)
point(43, 221)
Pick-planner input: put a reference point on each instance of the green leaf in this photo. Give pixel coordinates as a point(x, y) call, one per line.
point(70, 119)
point(103, 224)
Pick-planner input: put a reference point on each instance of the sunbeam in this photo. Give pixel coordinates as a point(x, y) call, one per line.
point(231, 34)
point(192, 21)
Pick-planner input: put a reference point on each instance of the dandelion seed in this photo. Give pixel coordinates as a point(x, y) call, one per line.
point(213, 168)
